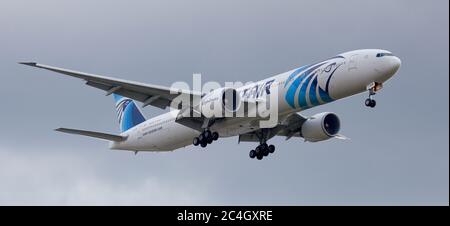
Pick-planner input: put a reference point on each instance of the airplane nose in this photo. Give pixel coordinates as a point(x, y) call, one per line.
point(391, 66)
point(395, 64)
point(387, 67)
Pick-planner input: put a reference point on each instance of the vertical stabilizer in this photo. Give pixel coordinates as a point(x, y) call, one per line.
point(128, 113)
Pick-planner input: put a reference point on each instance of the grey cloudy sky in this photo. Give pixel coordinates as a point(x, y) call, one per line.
point(398, 153)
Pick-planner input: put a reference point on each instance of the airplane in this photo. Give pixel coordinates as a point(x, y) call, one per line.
point(188, 123)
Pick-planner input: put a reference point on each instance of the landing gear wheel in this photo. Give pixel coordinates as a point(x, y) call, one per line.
point(264, 146)
point(368, 102)
point(205, 138)
point(258, 150)
point(209, 140)
point(196, 141)
point(207, 134)
point(265, 151)
point(271, 148)
point(215, 135)
point(252, 154)
point(202, 137)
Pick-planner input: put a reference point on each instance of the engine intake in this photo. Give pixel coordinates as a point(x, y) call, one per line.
point(322, 126)
point(230, 100)
point(219, 102)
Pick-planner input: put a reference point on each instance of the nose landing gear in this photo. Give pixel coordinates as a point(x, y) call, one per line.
point(373, 88)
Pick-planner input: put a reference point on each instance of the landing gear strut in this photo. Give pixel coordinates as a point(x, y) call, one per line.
point(205, 138)
point(373, 88)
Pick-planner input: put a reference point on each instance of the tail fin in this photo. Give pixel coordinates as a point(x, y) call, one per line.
point(128, 113)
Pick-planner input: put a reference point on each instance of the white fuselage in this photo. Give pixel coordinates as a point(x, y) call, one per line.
point(338, 77)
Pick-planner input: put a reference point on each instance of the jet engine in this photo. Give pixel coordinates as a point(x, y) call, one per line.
point(319, 127)
point(220, 103)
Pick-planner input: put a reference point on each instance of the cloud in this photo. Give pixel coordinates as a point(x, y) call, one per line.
point(62, 178)
point(398, 153)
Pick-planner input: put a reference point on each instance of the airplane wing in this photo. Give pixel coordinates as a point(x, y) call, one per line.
point(158, 96)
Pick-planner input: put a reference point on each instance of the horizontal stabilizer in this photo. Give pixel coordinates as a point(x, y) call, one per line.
point(104, 136)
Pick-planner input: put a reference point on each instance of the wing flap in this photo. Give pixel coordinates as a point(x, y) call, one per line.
point(99, 135)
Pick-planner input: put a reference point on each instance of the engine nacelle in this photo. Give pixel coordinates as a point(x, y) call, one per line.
point(220, 103)
point(322, 126)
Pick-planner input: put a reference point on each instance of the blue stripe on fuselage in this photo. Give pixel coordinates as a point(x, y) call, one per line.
point(295, 73)
point(290, 94)
point(312, 92)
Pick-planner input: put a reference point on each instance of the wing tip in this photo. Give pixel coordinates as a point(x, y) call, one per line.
point(33, 64)
point(62, 130)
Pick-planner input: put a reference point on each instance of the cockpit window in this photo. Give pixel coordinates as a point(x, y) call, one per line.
point(384, 54)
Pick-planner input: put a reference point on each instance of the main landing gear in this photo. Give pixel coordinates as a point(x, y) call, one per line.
point(205, 138)
point(373, 88)
point(262, 151)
